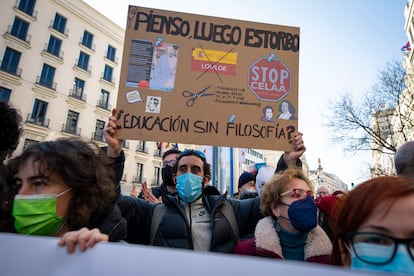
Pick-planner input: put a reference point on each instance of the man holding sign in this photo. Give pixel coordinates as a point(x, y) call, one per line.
point(192, 219)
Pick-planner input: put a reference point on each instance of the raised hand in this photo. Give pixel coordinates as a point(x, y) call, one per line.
point(114, 144)
point(148, 195)
point(291, 157)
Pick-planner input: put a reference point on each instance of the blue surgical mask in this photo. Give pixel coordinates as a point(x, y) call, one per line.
point(401, 263)
point(303, 214)
point(189, 186)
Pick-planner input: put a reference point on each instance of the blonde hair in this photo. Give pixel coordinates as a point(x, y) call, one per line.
point(278, 184)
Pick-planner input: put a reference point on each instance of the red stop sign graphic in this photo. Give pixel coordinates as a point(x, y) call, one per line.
point(269, 79)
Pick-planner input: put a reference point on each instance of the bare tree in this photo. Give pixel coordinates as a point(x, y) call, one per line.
point(382, 115)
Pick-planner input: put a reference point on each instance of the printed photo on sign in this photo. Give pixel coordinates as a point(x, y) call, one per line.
point(267, 114)
point(287, 111)
point(153, 104)
point(152, 65)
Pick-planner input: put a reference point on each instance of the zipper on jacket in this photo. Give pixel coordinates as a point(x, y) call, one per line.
point(191, 227)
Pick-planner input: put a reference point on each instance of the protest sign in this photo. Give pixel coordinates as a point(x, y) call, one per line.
point(33, 255)
point(206, 80)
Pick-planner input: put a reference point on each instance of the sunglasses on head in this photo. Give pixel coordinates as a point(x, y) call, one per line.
point(193, 152)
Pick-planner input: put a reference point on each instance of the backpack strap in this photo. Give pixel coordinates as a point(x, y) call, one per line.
point(157, 215)
point(228, 212)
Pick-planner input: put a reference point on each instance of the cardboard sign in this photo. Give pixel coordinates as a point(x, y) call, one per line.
point(34, 255)
point(206, 80)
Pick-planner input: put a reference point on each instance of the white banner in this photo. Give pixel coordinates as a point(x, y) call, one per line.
point(31, 255)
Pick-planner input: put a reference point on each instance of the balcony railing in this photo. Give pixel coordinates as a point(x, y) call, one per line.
point(71, 130)
point(91, 47)
point(103, 105)
point(111, 80)
point(40, 121)
point(114, 60)
point(125, 144)
point(158, 152)
point(141, 148)
point(65, 32)
point(33, 14)
point(87, 68)
point(46, 83)
point(11, 70)
point(58, 55)
point(98, 136)
point(77, 95)
point(136, 179)
point(25, 39)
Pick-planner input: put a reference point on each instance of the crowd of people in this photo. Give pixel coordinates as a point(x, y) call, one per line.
point(70, 188)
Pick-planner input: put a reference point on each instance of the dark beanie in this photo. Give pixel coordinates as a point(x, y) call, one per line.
point(245, 177)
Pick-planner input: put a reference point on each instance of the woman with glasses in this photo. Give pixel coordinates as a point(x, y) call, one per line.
point(375, 226)
point(289, 230)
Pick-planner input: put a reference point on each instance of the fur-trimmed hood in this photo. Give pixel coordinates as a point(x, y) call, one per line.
point(317, 244)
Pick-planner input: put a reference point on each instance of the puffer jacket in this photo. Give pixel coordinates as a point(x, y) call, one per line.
point(110, 221)
point(266, 243)
point(175, 230)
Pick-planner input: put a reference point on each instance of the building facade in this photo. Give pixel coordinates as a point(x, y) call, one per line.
point(60, 66)
point(321, 178)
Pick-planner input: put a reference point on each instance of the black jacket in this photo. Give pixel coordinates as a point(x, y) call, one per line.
point(174, 229)
point(110, 222)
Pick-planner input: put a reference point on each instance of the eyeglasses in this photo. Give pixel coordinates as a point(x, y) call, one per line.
point(298, 193)
point(169, 163)
point(193, 152)
point(377, 248)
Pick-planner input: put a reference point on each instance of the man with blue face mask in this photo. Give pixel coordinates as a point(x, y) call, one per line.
point(193, 218)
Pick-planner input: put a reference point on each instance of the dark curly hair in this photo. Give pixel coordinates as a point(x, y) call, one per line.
point(11, 124)
point(82, 167)
point(10, 121)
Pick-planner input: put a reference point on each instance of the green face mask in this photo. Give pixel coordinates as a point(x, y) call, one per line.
point(36, 214)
